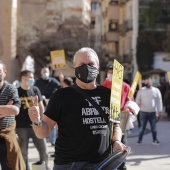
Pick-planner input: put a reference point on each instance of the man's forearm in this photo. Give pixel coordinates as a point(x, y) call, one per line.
point(117, 133)
point(41, 131)
point(7, 110)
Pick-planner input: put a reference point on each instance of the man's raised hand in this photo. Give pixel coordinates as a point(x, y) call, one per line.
point(34, 112)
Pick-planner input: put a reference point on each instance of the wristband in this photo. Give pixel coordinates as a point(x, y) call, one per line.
point(37, 124)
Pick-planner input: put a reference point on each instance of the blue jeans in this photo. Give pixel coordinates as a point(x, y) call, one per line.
point(144, 118)
point(24, 134)
point(3, 155)
point(53, 135)
point(76, 166)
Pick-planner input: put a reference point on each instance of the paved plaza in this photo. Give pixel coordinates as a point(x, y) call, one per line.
point(142, 157)
point(147, 156)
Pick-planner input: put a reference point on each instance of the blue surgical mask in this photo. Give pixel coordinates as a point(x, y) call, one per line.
point(30, 82)
point(45, 76)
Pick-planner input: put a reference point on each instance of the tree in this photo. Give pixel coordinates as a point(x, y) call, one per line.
point(152, 22)
point(70, 36)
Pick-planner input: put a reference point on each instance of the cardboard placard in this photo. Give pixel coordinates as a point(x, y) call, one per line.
point(134, 85)
point(58, 59)
point(116, 90)
point(168, 76)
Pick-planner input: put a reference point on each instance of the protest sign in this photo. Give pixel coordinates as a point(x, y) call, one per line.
point(116, 90)
point(134, 85)
point(58, 59)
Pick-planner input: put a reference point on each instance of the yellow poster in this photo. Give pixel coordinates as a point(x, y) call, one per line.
point(58, 59)
point(116, 90)
point(168, 76)
point(140, 82)
point(134, 84)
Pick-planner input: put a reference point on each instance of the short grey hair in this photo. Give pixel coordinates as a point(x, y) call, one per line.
point(3, 65)
point(85, 49)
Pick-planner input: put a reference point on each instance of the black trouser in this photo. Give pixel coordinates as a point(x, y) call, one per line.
point(3, 154)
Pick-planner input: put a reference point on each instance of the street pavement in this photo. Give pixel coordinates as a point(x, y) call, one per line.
point(142, 157)
point(33, 155)
point(147, 156)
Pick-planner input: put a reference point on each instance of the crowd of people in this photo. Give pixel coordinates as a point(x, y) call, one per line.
point(51, 108)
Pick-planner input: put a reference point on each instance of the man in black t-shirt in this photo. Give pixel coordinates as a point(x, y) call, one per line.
point(83, 133)
point(27, 93)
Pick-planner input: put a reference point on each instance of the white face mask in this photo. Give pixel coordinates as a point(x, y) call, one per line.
point(46, 76)
point(109, 76)
point(30, 82)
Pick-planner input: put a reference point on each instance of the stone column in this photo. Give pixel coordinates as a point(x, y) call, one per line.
point(8, 37)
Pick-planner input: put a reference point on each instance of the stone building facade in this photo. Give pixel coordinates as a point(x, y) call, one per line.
point(59, 23)
point(8, 24)
point(119, 31)
point(43, 25)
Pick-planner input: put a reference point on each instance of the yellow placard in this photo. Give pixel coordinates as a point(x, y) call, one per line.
point(116, 90)
point(168, 76)
point(58, 59)
point(140, 82)
point(134, 85)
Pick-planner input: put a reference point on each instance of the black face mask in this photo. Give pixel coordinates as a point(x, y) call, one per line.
point(86, 73)
point(0, 77)
point(147, 85)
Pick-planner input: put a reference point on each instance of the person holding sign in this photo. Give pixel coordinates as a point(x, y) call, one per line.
point(126, 104)
point(125, 86)
point(150, 102)
point(84, 137)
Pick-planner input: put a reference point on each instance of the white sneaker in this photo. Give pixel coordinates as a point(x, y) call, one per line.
point(155, 142)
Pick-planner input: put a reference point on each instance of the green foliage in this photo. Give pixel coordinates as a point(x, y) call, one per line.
point(156, 13)
point(145, 56)
point(150, 40)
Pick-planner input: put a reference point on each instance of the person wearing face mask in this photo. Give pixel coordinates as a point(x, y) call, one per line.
point(27, 92)
point(84, 137)
point(47, 85)
point(150, 102)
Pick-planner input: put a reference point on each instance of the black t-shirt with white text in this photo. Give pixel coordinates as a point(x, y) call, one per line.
point(27, 99)
point(83, 134)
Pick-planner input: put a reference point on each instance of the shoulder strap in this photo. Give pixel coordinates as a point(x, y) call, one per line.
point(86, 96)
